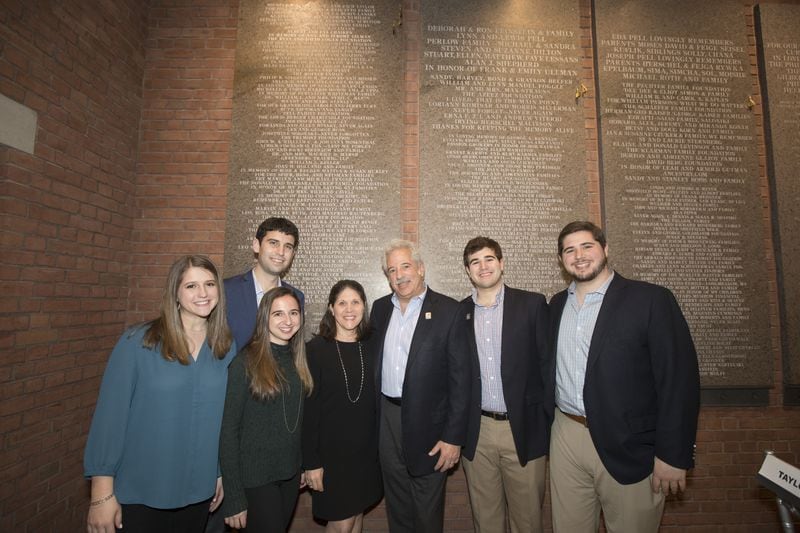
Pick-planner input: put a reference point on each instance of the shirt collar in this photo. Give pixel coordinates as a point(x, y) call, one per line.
point(420, 297)
point(259, 290)
point(498, 299)
point(599, 290)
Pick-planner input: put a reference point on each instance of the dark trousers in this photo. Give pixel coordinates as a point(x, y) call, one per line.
point(270, 507)
point(414, 504)
point(138, 518)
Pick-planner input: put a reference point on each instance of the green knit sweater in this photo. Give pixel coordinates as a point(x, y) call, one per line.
point(260, 439)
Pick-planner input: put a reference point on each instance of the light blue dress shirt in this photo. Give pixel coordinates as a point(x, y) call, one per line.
point(397, 344)
point(574, 341)
point(156, 426)
point(488, 325)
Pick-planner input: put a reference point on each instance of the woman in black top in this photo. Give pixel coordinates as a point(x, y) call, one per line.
point(260, 437)
point(340, 443)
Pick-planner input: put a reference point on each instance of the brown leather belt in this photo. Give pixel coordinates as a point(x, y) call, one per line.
point(494, 415)
point(579, 419)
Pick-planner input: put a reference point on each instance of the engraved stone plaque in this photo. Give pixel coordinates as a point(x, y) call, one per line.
point(502, 140)
point(317, 138)
point(680, 173)
point(779, 52)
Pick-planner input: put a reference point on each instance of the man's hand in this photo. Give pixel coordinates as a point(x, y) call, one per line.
point(668, 479)
point(448, 455)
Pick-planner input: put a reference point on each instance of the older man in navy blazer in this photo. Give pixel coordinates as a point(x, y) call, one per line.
point(627, 393)
point(274, 247)
point(422, 386)
point(508, 432)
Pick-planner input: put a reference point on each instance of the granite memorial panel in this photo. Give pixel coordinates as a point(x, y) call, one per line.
point(680, 173)
point(317, 138)
point(779, 53)
point(502, 139)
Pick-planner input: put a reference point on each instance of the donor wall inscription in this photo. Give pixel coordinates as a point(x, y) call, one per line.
point(779, 51)
point(681, 185)
point(502, 142)
point(317, 136)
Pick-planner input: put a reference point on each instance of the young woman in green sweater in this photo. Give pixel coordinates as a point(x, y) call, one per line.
point(260, 438)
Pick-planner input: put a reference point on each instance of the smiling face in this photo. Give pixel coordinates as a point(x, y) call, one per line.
point(275, 252)
point(284, 319)
point(485, 270)
point(583, 257)
point(198, 293)
point(348, 312)
point(406, 276)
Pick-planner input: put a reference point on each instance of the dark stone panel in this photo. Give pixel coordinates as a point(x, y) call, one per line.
point(317, 138)
point(682, 201)
point(779, 62)
point(502, 137)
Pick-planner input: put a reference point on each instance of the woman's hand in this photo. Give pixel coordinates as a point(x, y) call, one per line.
point(237, 521)
point(105, 512)
point(314, 479)
point(105, 518)
point(219, 494)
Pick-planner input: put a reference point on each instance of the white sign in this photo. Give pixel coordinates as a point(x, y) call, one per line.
point(782, 474)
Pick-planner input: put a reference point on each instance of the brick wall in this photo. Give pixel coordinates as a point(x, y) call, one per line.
point(66, 228)
point(130, 171)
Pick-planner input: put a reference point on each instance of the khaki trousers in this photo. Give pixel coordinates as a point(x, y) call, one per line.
point(497, 482)
point(580, 487)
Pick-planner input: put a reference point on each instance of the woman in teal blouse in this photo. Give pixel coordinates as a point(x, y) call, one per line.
point(152, 452)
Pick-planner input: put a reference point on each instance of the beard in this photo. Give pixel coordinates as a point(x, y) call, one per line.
point(592, 274)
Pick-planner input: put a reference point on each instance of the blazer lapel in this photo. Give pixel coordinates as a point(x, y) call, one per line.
point(427, 315)
point(507, 361)
point(604, 318)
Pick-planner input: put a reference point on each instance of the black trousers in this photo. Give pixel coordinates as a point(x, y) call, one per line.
point(270, 507)
point(414, 504)
point(138, 518)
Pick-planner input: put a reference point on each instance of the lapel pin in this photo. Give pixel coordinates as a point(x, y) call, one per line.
point(428, 315)
point(469, 316)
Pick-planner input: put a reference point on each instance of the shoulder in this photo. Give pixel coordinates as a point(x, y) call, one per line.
point(437, 298)
point(638, 286)
point(316, 344)
point(524, 295)
point(238, 279)
point(292, 287)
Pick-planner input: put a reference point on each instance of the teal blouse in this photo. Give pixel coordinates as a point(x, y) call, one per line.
point(156, 425)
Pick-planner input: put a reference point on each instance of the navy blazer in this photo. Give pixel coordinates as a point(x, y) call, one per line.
point(642, 388)
point(240, 301)
point(435, 387)
point(524, 369)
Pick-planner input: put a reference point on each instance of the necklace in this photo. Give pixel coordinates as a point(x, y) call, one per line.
point(299, 407)
point(346, 382)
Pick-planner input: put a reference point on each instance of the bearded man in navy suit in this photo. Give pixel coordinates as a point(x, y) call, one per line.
point(627, 391)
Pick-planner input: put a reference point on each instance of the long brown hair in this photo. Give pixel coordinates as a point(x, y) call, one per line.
point(266, 378)
point(167, 331)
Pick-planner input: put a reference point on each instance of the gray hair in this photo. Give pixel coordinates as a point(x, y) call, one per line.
point(400, 244)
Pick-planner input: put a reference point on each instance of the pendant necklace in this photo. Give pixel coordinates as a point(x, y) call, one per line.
point(299, 407)
point(346, 382)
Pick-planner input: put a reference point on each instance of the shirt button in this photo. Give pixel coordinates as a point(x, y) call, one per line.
point(491, 377)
